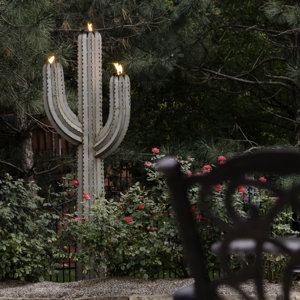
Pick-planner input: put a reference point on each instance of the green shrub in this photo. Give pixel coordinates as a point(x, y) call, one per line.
point(27, 238)
point(137, 234)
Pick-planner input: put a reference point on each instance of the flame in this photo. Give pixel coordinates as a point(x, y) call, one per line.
point(51, 59)
point(90, 26)
point(119, 68)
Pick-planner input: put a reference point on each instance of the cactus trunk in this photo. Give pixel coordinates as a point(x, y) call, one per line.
point(94, 141)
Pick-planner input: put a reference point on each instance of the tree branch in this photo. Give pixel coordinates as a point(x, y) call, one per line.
point(274, 33)
point(11, 165)
point(51, 169)
point(48, 170)
point(279, 116)
point(246, 81)
point(257, 65)
point(8, 125)
point(244, 135)
point(280, 77)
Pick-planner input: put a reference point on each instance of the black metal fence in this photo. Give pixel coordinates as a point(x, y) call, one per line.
point(119, 178)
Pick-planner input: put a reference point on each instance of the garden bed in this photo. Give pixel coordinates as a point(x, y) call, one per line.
point(117, 288)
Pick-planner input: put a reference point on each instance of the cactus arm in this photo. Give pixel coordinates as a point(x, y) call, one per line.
point(107, 130)
point(117, 124)
point(62, 118)
point(65, 110)
point(125, 115)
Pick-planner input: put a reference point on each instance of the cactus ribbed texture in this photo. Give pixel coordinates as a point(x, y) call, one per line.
point(94, 141)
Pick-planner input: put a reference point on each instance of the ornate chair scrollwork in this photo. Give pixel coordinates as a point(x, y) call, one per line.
point(244, 234)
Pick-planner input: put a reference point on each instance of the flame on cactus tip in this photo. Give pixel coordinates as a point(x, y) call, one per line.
point(90, 26)
point(119, 68)
point(51, 59)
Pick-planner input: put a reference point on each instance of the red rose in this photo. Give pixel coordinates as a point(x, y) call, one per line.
point(218, 187)
point(241, 189)
point(86, 196)
point(153, 229)
point(75, 182)
point(141, 206)
point(262, 179)
point(193, 209)
point(207, 167)
point(128, 219)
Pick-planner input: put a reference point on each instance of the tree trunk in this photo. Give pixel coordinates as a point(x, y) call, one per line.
point(297, 117)
point(26, 158)
point(296, 57)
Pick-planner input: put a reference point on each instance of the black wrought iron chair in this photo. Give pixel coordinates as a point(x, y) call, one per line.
point(249, 234)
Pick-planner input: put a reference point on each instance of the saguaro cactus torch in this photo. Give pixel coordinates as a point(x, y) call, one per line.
point(94, 141)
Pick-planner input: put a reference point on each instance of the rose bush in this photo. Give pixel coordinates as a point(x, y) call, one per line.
point(136, 234)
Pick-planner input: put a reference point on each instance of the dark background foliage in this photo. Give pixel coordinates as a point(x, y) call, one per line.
point(201, 72)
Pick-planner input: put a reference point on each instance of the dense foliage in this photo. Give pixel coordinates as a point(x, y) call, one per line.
point(137, 234)
point(28, 238)
point(203, 74)
point(198, 69)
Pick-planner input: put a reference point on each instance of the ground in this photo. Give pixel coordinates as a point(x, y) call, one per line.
point(117, 288)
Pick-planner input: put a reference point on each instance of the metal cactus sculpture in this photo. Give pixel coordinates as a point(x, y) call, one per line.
point(94, 141)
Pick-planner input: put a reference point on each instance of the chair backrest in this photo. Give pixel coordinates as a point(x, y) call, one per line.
point(251, 231)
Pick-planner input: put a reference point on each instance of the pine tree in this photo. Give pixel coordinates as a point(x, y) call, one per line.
point(24, 44)
point(254, 59)
point(154, 40)
point(285, 15)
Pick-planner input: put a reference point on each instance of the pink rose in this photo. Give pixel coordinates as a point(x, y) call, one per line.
point(222, 159)
point(262, 179)
point(189, 173)
point(86, 196)
point(147, 164)
point(155, 150)
point(276, 198)
point(198, 217)
point(218, 187)
point(152, 228)
point(79, 219)
point(128, 219)
point(241, 189)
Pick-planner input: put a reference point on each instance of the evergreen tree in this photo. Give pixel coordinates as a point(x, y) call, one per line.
point(286, 19)
point(142, 34)
point(255, 60)
point(24, 45)
point(152, 39)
